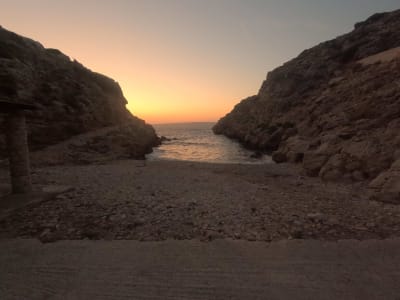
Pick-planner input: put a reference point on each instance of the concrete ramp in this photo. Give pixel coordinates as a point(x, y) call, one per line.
point(222, 269)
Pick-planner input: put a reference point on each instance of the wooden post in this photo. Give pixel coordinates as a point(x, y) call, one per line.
point(18, 153)
point(17, 144)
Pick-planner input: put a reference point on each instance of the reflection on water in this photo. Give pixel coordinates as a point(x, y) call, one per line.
point(196, 142)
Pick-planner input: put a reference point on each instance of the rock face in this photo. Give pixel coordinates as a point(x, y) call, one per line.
point(335, 108)
point(386, 187)
point(70, 98)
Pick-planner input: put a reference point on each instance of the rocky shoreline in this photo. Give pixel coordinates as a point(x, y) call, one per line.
point(333, 109)
point(159, 200)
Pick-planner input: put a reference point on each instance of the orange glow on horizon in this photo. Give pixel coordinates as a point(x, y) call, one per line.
point(169, 103)
point(155, 108)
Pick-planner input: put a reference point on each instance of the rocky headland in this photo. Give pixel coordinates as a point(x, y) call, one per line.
point(72, 103)
point(335, 109)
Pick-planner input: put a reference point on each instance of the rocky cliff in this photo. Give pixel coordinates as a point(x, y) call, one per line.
point(335, 108)
point(70, 100)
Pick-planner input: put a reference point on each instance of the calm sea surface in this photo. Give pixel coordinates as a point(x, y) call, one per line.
point(197, 142)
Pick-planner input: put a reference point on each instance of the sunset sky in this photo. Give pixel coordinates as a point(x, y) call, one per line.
point(185, 60)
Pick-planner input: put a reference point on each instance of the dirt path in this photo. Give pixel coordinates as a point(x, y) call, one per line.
point(182, 200)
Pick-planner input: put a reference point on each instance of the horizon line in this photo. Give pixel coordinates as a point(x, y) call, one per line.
point(174, 123)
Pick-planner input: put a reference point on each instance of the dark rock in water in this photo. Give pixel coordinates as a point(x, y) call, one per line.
point(70, 99)
point(165, 139)
point(334, 108)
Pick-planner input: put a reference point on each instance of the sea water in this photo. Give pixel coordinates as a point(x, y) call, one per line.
point(197, 142)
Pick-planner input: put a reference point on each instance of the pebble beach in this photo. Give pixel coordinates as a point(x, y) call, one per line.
point(160, 200)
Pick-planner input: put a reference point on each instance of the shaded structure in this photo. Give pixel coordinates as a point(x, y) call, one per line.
point(17, 144)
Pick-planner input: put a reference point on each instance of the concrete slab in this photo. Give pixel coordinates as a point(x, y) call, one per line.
point(222, 269)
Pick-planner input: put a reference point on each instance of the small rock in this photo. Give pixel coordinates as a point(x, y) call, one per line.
point(332, 221)
point(298, 223)
point(139, 222)
point(164, 139)
point(113, 218)
point(71, 230)
point(91, 234)
point(360, 228)
point(211, 235)
point(316, 217)
point(371, 225)
point(279, 157)
point(332, 232)
point(62, 197)
point(46, 236)
point(296, 233)
point(50, 225)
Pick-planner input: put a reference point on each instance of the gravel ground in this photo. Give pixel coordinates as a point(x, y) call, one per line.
point(161, 200)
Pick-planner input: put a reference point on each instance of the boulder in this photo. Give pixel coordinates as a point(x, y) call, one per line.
point(279, 157)
point(386, 186)
point(293, 148)
point(333, 168)
point(313, 162)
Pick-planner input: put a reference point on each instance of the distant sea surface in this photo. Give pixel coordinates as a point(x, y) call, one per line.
point(197, 142)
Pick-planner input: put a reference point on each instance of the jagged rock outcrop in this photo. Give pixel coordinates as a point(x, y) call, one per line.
point(335, 108)
point(70, 99)
point(386, 187)
point(124, 141)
